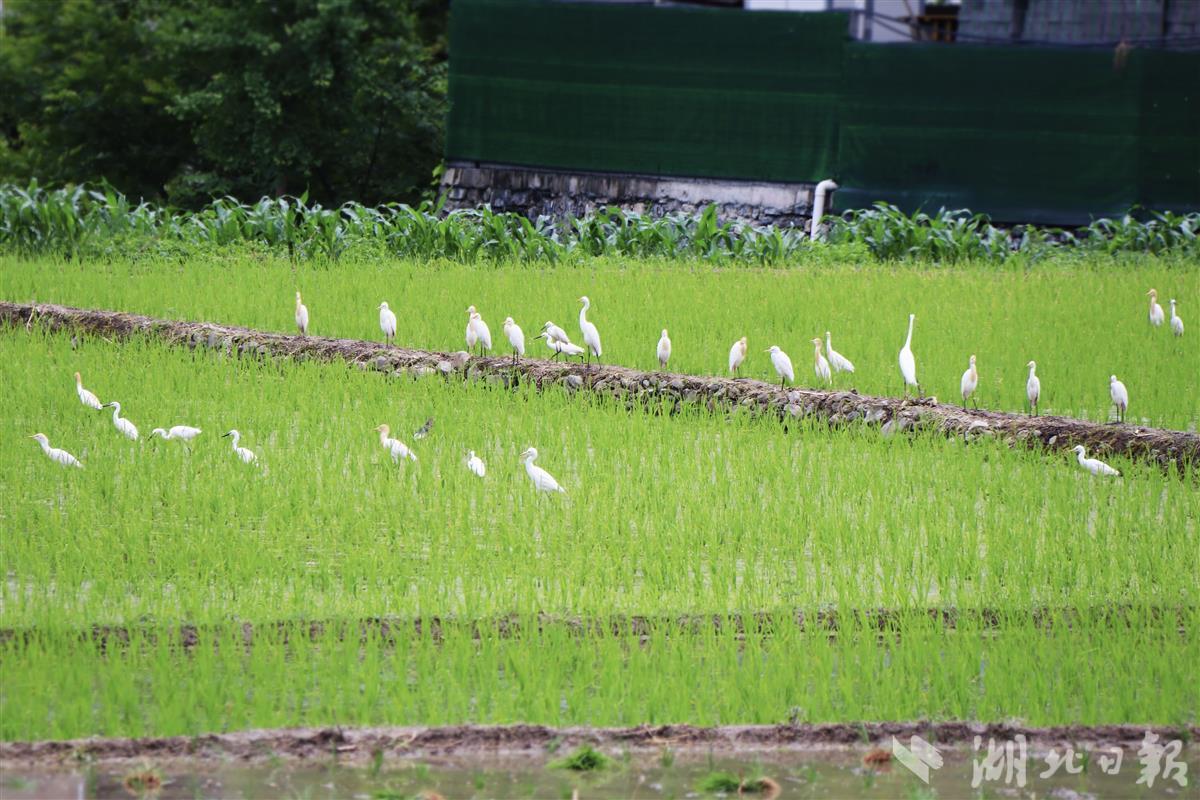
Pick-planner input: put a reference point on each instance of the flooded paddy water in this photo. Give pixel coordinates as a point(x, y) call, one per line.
point(638, 767)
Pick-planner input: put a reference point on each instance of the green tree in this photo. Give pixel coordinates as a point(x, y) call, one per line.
point(188, 99)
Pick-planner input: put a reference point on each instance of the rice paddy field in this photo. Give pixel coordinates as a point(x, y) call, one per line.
point(691, 569)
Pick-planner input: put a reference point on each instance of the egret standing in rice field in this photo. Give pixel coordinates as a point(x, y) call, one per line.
point(969, 382)
point(908, 362)
point(1176, 322)
point(87, 398)
point(542, 481)
point(1156, 311)
point(838, 361)
point(820, 364)
point(591, 334)
point(555, 334)
point(184, 433)
point(123, 425)
point(396, 448)
point(664, 349)
point(1093, 465)
point(57, 455)
point(387, 323)
point(568, 349)
point(1033, 388)
point(1119, 395)
point(244, 453)
point(516, 338)
point(301, 316)
point(478, 329)
point(737, 354)
point(782, 364)
point(475, 464)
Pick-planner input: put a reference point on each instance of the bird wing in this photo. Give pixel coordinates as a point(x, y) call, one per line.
point(424, 430)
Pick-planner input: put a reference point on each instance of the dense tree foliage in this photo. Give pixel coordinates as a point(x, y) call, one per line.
point(183, 100)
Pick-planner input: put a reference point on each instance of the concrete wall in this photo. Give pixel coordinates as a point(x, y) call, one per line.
point(536, 192)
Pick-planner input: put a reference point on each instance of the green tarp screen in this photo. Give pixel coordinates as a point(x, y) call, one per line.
point(637, 88)
point(1053, 135)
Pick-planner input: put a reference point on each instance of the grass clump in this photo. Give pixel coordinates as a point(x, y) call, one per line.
point(728, 783)
point(584, 759)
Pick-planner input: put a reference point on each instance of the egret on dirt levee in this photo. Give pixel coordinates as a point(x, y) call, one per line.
point(387, 323)
point(591, 334)
point(737, 354)
point(1119, 395)
point(475, 464)
point(515, 336)
point(555, 333)
point(1093, 465)
point(395, 447)
point(560, 348)
point(542, 481)
point(664, 349)
point(55, 454)
point(1176, 323)
point(820, 364)
point(1156, 311)
point(91, 401)
point(301, 316)
point(782, 364)
point(970, 380)
point(472, 334)
point(1033, 388)
point(126, 427)
point(908, 363)
point(244, 453)
point(182, 432)
point(838, 361)
point(483, 334)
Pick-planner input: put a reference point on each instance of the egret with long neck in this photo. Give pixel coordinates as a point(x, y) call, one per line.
point(908, 363)
point(123, 425)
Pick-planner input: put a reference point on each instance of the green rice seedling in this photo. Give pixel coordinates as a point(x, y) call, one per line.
point(584, 758)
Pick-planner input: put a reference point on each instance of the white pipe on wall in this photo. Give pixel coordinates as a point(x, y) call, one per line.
point(823, 188)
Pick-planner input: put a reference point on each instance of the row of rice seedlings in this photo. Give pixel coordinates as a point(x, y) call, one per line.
point(663, 515)
point(1080, 324)
point(58, 685)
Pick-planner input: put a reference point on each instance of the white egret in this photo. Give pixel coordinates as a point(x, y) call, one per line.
point(969, 382)
point(1094, 465)
point(664, 349)
point(782, 364)
point(475, 464)
point(55, 454)
point(908, 363)
point(483, 334)
point(542, 481)
point(1033, 387)
point(126, 427)
point(301, 316)
point(1176, 322)
point(561, 348)
point(555, 333)
point(244, 453)
point(591, 335)
point(395, 447)
point(1156, 311)
point(515, 336)
point(1119, 395)
point(472, 332)
point(91, 401)
point(387, 323)
point(182, 432)
point(839, 362)
point(820, 364)
point(737, 354)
